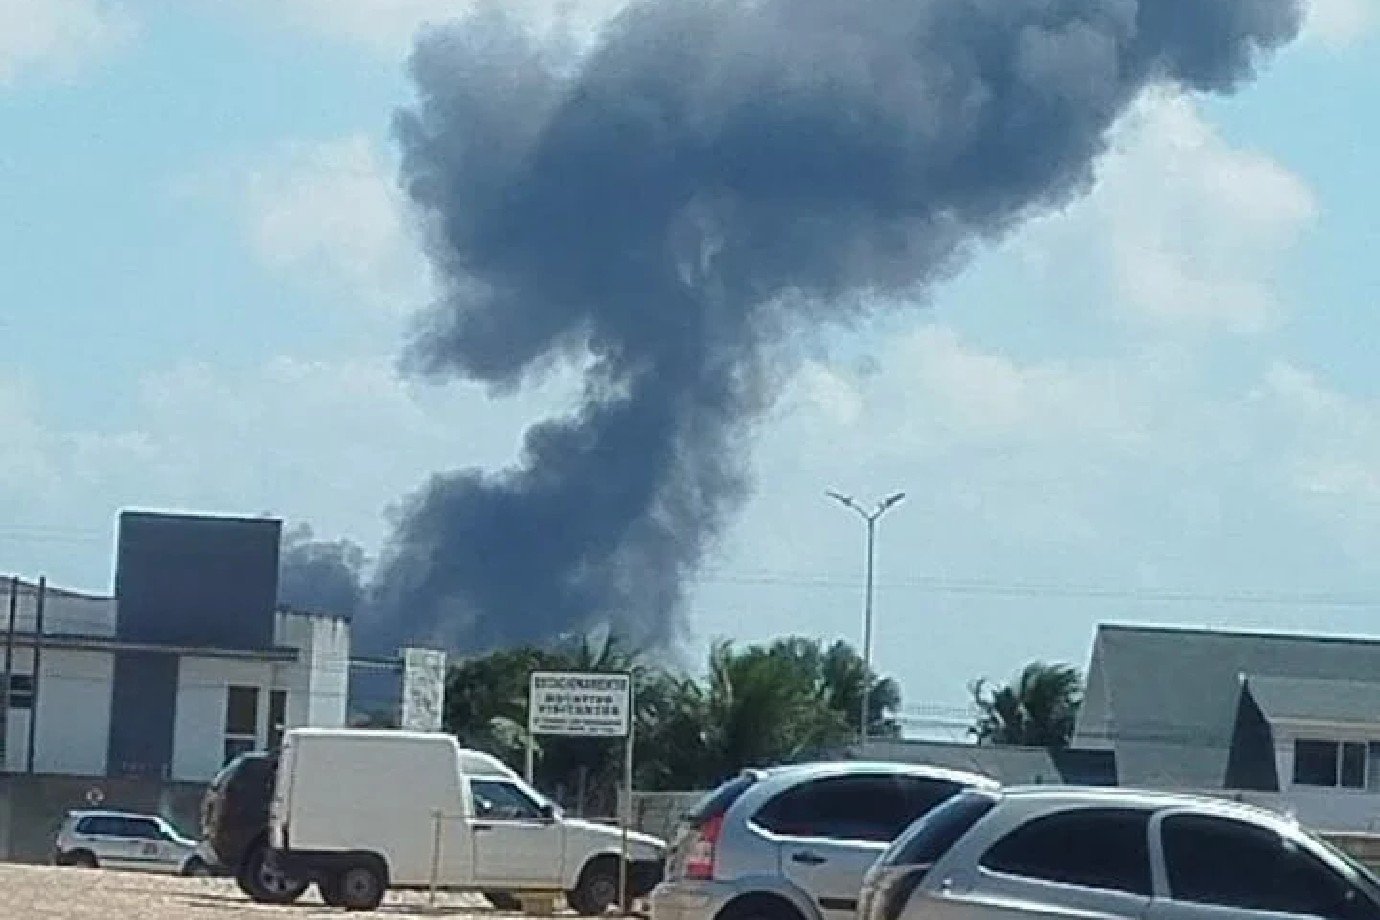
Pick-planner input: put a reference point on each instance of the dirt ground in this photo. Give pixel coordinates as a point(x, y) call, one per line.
point(42, 893)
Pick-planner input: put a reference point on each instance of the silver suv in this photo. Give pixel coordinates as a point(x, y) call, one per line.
point(793, 843)
point(126, 841)
point(1116, 854)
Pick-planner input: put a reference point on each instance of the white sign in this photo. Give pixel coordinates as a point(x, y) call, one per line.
point(424, 689)
point(579, 703)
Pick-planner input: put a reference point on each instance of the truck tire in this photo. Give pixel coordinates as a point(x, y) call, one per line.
point(329, 889)
point(361, 886)
point(503, 900)
point(265, 884)
point(597, 889)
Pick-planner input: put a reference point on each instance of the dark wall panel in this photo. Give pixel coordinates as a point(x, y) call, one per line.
point(143, 707)
point(197, 581)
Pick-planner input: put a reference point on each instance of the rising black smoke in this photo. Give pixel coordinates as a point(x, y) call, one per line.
point(672, 206)
point(320, 576)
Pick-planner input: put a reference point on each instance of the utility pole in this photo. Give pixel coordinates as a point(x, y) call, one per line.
point(9, 675)
point(38, 648)
point(870, 518)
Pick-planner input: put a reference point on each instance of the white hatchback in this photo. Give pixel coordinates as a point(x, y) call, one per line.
point(1112, 854)
point(119, 840)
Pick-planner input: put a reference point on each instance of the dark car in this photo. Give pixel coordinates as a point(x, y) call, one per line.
point(234, 824)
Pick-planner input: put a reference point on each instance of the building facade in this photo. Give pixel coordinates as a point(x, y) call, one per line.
point(88, 702)
point(1288, 721)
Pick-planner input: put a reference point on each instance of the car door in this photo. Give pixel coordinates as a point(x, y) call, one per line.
point(107, 838)
point(830, 830)
point(514, 842)
point(1219, 868)
point(1077, 862)
point(148, 847)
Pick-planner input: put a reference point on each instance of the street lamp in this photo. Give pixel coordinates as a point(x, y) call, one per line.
point(871, 518)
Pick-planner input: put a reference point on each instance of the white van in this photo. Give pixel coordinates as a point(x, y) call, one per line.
point(358, 812)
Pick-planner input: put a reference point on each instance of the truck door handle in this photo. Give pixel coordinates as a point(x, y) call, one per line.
point(483, 827)
point(808, 859)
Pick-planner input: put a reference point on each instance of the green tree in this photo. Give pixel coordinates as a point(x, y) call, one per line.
point(1037, 709)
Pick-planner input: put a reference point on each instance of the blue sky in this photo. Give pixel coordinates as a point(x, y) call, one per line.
point(1160, 405)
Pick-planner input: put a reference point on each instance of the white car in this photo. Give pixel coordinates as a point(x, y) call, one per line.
point(1112, 854)
point(120, 840)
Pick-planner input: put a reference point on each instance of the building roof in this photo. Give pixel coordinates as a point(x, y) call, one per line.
point(1008, 765)
point(1294, 699)
point(1166, 698)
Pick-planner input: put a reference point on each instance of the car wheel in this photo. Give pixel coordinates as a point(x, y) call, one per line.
point(266, 883)
point(83, 860)
point(597, 889)
point(361, 887)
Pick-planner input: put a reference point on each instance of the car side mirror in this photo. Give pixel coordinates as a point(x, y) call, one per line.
point(547, 811)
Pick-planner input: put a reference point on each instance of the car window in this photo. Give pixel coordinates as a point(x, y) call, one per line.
point(1229, 863)
point(874, 808)
point(502, 801)
point(1106, 848)
point(722, 798)
point(930, 838)
point(142, 829)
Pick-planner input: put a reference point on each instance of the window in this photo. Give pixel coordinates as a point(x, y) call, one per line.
point(277, 718)
point(1331, 764)
point(502, 801)
point(1353, 765)
point(100, 826)
point(1104, 848)
point(141, 829)
point(1217, 861)
point(241, 721)
point(856, 807)
point(242, 711)
point(21, 691)
point(932, 836)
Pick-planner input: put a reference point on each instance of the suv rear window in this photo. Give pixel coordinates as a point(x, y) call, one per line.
point(928, 839)
point(721, 799)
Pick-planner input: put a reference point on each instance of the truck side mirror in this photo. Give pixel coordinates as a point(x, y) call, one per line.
point(547, 811)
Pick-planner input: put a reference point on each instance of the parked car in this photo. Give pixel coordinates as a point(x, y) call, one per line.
point(119, 840)
point(234, 824)
point(793, 843)
point(358, 812)
point(1112, 853)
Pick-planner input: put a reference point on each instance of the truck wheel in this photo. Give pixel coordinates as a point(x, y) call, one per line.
point(266, 883)
point(597, 889)
point(503, 900)
point(196, 868)
point(329, 889)
point(361, 886)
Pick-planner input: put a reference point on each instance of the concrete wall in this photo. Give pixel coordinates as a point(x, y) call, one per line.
point(199, 724)
point(73, 713)
point(318, 682)
point(32, 808)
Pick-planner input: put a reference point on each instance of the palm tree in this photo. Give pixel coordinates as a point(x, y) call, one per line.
point(1038, 709)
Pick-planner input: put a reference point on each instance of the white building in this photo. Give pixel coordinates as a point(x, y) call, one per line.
point(215, 703)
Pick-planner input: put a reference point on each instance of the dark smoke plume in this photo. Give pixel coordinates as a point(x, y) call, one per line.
point(320, 576)
point(713, 177)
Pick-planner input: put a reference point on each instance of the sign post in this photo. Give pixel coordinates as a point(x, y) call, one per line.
point(586, 704)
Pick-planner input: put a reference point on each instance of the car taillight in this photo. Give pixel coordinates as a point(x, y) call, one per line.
point(699, 859)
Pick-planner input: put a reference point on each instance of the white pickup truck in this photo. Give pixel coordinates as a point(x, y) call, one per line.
point(358, 812)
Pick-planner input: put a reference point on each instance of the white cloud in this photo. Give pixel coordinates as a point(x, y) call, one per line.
point(332, 211)
point(58, 37)
point(1339, 23)
point(1189, 231)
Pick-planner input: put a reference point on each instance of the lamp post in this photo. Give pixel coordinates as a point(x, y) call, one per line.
point(870, 518)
